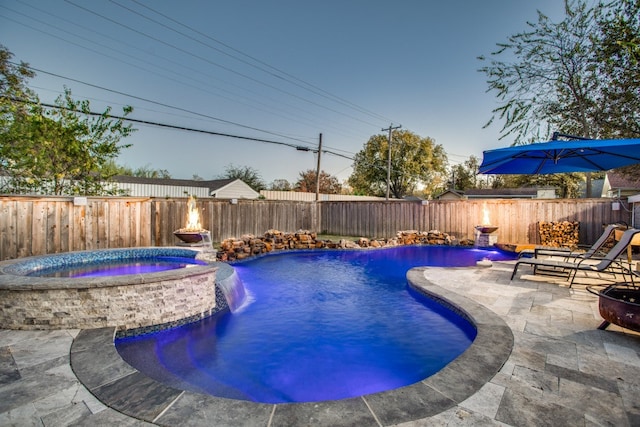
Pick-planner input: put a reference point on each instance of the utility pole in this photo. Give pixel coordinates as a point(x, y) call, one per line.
point(390, 128)
point(318, 169)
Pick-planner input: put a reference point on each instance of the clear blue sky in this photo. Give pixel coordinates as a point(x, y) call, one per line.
point(283, 70)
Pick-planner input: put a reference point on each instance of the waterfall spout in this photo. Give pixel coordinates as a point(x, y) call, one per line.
point(232, 288)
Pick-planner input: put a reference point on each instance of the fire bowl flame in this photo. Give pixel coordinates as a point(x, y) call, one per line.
point(486, 229)
point(193, 232)
point(189, 236)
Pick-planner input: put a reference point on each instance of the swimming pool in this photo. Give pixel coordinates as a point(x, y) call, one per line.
point(324, 325)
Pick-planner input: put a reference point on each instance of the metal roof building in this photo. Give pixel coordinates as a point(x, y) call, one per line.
point(160, 187)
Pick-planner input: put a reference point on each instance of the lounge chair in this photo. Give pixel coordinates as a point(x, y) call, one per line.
point(594, 250)
point(607, 264)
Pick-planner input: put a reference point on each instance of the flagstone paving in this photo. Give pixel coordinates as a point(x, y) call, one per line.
point(562, 370)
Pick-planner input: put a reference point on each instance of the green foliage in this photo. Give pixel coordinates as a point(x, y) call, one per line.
point(247, 174)
point(548, 81)
point(147, 171)
point(579, 76)
point(280, 185)
point(65, 150)
point(617, 54)
point(414, 161)
point(15, 95)
point(465, 176)
point(15, 106)
point(111, 168)
point(307, 183)
point(567, 185)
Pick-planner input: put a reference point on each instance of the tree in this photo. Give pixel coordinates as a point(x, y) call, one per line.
point(75, 158)
point(147, 171)
point(579, 76)
point(247, 174)
point(307, 183)
point(567, 185)
point(66, 149)
point(15, 95)
point(414, 160)
point(16, 100)
point(617, 56)
point(465, 176)
point(111, 168)
point(280, 185)
point(552, 82)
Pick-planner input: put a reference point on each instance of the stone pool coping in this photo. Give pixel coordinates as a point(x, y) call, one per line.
point(97, 364)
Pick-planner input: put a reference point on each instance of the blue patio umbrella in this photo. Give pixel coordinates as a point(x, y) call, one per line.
point(589, 155)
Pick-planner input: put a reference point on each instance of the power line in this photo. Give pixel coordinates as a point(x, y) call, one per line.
point(181, 128)
point(228, 69)
point(184, 110)
point(135, 58)
point(291, 78)
point(201, 85)
point(157, 102)
point(208, 132)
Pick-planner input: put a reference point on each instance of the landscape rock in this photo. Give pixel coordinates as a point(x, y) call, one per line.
point(247, 245)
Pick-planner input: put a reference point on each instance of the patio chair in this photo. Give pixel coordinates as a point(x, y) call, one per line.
point(607, 264)
point(594, 250)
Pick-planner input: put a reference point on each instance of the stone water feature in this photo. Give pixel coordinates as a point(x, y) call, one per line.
point(486, 233)
point(193, 234)
point(227, 281)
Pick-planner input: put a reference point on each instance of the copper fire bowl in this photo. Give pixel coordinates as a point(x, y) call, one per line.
point(486, 229)
point(189, 236)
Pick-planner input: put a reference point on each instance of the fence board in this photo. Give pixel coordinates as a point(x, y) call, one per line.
point(23, 228)
point(8, 237)
point(79, 235)
point(53, 227)
point(39, 228)
point(90, 227)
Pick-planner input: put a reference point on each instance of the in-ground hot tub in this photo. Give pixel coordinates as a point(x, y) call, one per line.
point(125, 301)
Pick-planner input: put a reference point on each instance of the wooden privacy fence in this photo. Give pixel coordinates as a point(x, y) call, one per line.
point(517, 219)
point(41, 225)
point(225, 219)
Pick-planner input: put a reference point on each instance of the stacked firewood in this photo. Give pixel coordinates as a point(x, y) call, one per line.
point(559, 234)
point(274, 240)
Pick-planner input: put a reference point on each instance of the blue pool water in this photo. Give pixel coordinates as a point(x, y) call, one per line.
point(117, 267)
point(323, 325)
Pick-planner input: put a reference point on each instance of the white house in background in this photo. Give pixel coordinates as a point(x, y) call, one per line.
point(300, 196)
point(511, 193)
point(499, 193)
point(158, 187)
point(618, 185)
point(634, 202)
